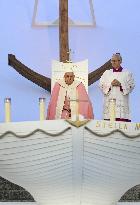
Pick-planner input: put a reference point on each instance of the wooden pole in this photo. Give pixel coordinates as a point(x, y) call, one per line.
point(63, 30)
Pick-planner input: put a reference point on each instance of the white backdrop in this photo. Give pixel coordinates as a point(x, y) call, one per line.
point(117, 31)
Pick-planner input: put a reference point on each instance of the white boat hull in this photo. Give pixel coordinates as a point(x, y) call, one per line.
point(61, 164)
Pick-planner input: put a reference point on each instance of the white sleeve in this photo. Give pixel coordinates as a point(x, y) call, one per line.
point(128, 85)
point(104, 83)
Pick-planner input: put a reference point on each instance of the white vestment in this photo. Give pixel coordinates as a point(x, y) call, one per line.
point(114, 92)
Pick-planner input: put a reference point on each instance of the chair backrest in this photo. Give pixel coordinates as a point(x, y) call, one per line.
point(80, 70)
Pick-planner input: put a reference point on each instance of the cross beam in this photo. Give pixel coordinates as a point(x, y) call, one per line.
point(63, 31)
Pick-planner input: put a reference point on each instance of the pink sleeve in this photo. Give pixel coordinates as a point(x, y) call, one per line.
point(53, 102)
point(85, 108)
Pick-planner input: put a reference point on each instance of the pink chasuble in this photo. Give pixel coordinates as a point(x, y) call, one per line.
point(85, 106)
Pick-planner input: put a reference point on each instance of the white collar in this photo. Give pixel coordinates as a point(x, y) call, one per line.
point(66, 86)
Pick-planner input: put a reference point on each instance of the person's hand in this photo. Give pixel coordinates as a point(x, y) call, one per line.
point(115, 83)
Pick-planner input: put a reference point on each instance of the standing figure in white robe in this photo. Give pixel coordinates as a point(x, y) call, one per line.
point(116, 84)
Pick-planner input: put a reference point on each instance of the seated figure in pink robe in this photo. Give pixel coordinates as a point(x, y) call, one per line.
point(69, 98)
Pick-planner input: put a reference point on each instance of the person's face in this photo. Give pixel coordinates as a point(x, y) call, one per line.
point(116, 62)
point(69, 78)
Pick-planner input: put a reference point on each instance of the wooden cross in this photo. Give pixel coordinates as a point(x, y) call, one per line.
point(63, 31)
point(44, 81)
